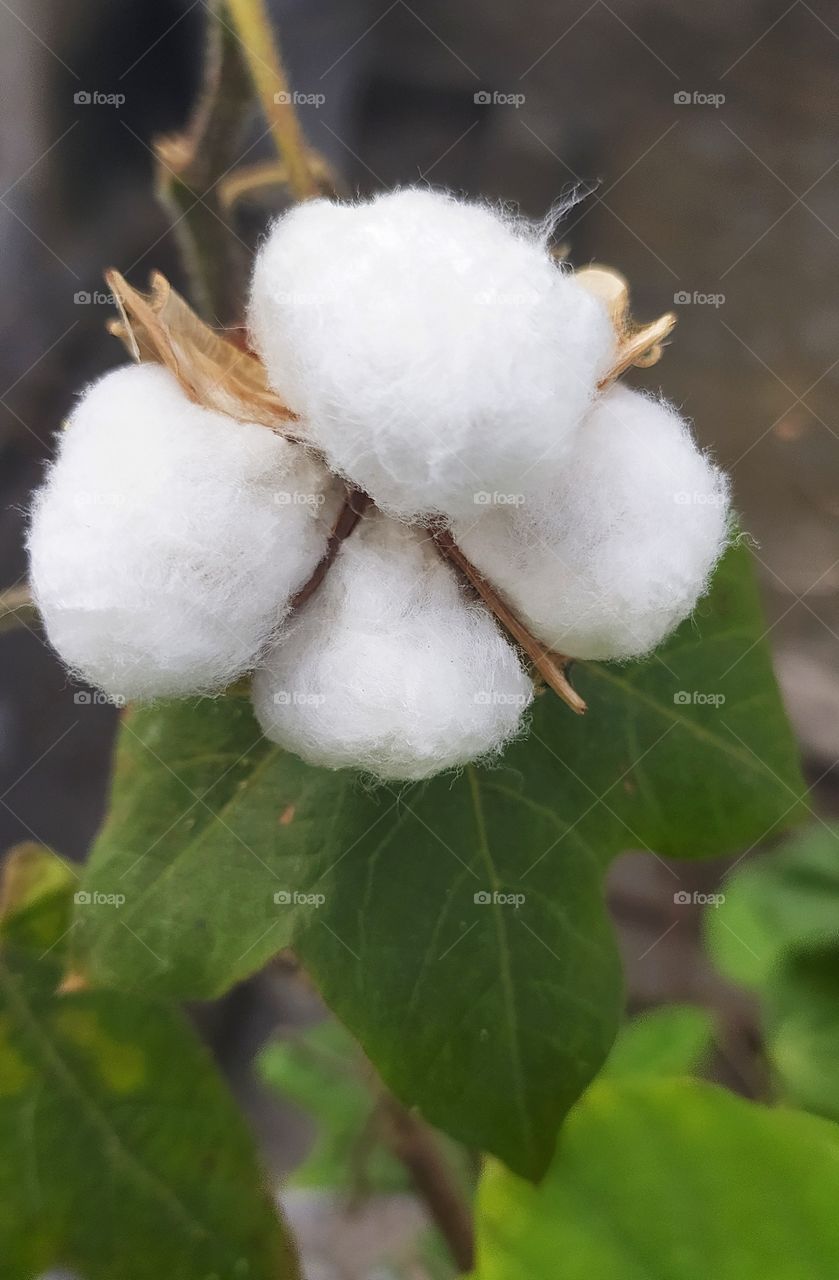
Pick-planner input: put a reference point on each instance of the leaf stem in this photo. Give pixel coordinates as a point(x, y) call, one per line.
point(261, 51)
point(414, 1144)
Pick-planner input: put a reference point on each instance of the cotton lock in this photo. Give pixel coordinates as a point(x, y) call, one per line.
point(391, 667)
point(167, 541)
point(621, 544)
point(434, 349)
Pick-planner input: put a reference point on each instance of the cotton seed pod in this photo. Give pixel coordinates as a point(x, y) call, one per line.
point(391, 667)
point(435, 350)
point(621, 545)
point(167, 540)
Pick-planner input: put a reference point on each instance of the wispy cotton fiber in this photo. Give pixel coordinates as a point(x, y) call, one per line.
point(167, 540)
point(621, 546)
point(390, 667)
point(434, 349)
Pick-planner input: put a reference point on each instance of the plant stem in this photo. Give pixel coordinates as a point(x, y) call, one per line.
point(189, 168)
point(17, 609)
point(261, 51)
point(414, 1144)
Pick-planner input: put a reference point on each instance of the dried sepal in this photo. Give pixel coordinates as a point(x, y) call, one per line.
point(552, 667)
point(161, 328)
point(639, 345)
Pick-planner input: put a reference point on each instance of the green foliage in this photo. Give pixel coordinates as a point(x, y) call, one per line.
point(123, 1154)
point(801, 1003)
point(668, 1041)
point(323, 1071)
point(456, 927)
point(670, 1180)
point(781, 900)
point(778, 932)
point(36, 906)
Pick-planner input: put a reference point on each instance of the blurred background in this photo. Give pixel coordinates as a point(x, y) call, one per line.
point(703, 141)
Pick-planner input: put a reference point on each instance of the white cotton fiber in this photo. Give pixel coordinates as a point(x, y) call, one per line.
point(391, 667)
point(167, 540)
point(621, 548)
point(434, 349)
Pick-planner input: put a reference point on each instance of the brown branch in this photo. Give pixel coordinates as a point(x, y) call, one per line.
point(551, 666)
point(17, 609)
point(414, 1144)
point(355, 505)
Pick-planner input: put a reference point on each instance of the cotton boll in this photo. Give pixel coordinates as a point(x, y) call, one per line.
point(609, 561)
point(434, 349)
point(167, 540)
point(391, 667)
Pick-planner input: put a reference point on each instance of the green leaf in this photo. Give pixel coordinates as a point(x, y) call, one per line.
point(778, 901)
point(122, 1154)
point(457, 927)
point(670, 1180)
point(36, 899)
point(323, 1071)
point(668, 1041)
point(801, 1014)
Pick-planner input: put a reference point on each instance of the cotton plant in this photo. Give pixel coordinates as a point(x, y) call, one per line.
point(445, 377)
